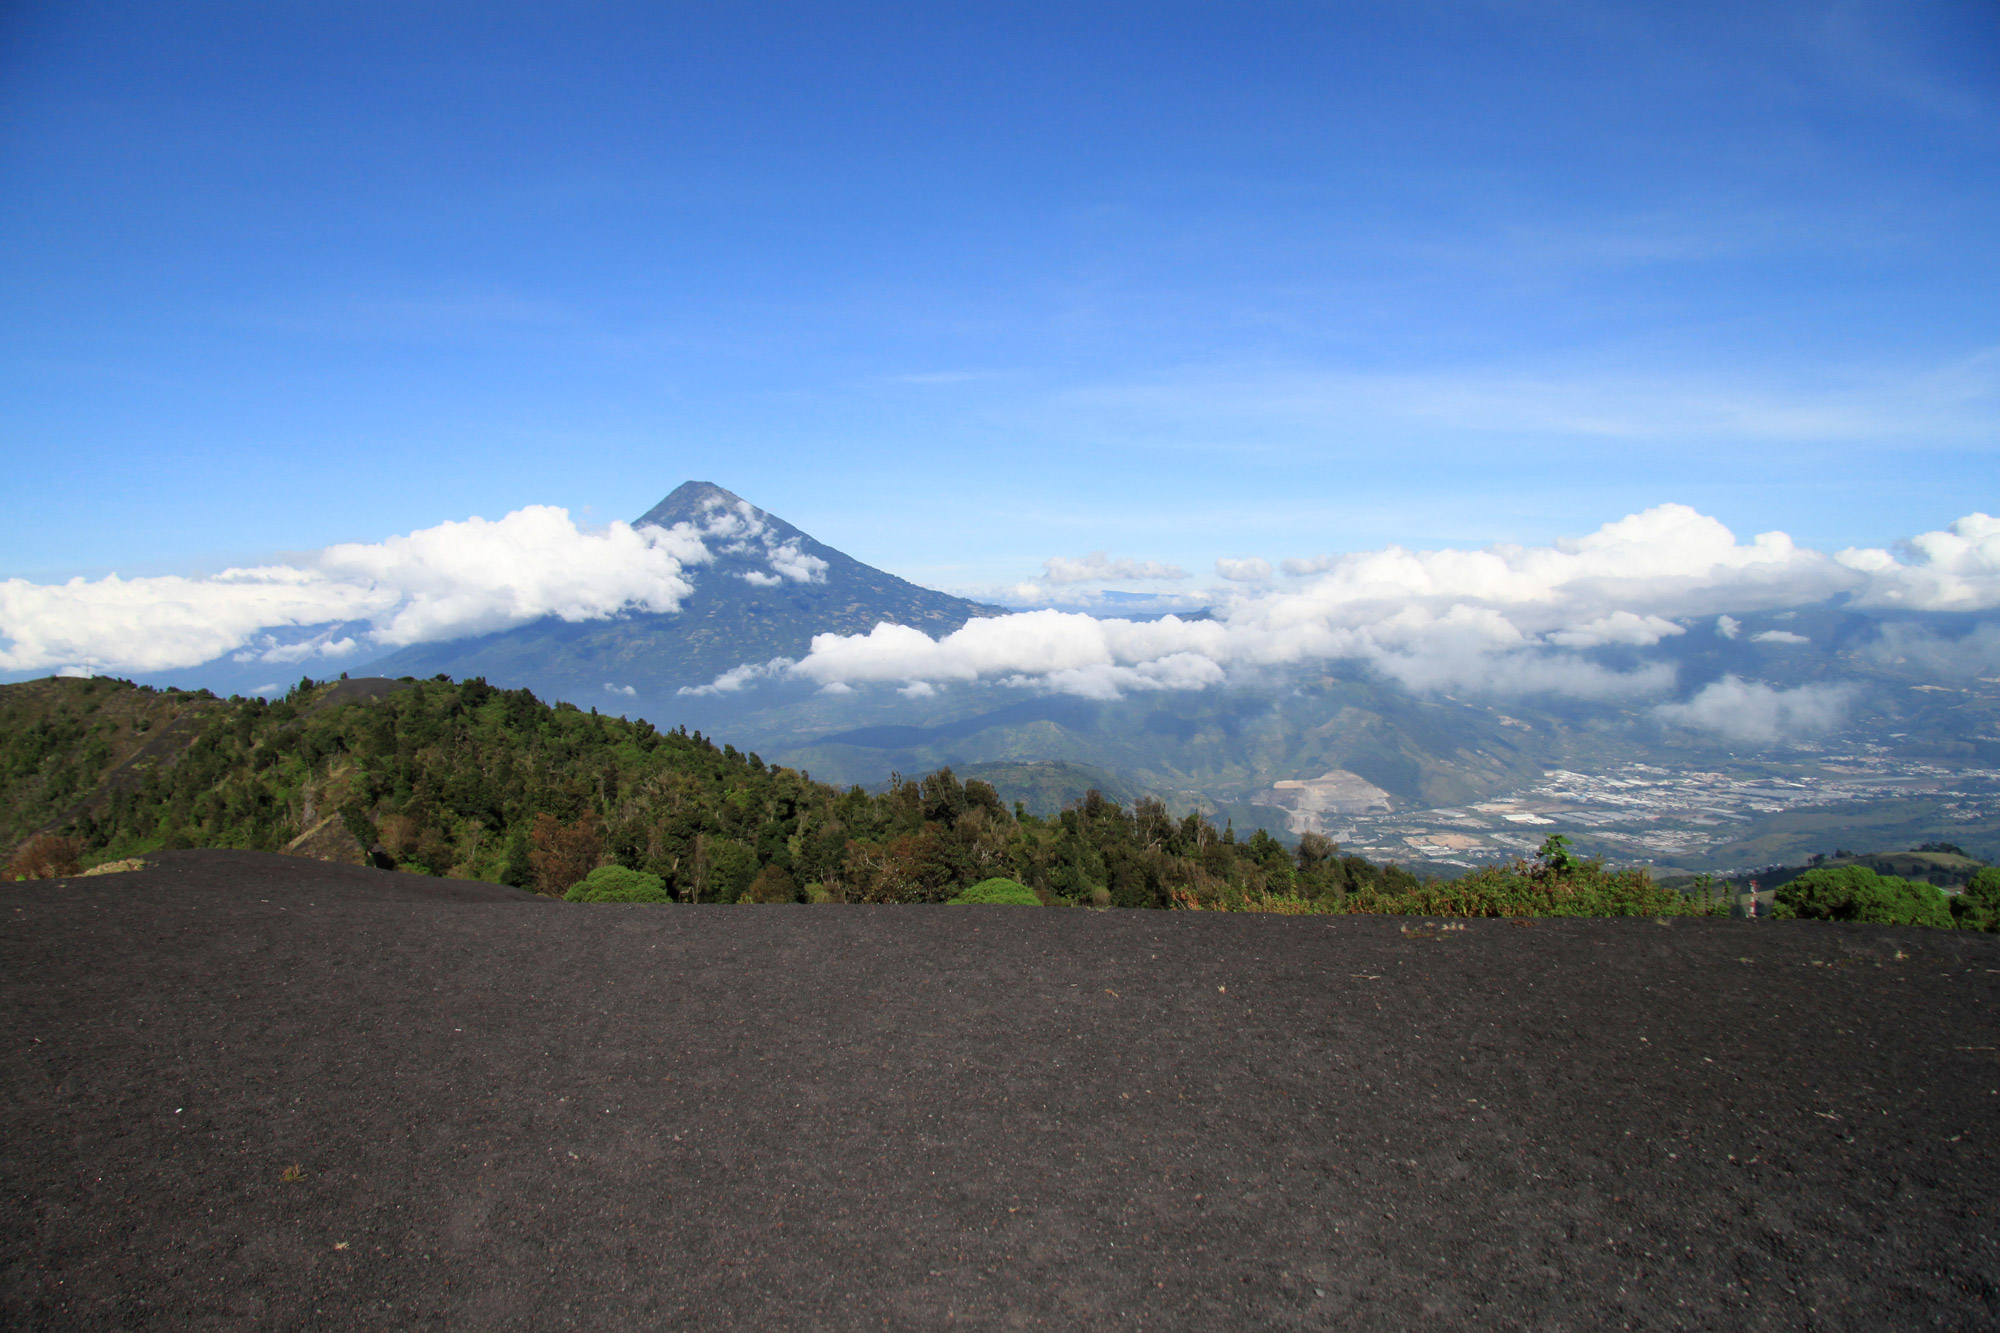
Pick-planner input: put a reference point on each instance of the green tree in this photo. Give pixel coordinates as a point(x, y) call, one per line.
point(1978, 908)
point(724, 868)
point(517, 869)
point(354, 817)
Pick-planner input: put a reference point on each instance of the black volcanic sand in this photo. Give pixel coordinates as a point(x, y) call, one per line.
point(507, 1113)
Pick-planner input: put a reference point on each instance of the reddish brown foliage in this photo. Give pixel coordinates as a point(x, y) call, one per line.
point(562, 854)
point(397, 834)
point(45, 856)
point(772, 885)
point(914, 868)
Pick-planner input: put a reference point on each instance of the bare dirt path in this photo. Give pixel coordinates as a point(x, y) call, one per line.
point(506, 1113)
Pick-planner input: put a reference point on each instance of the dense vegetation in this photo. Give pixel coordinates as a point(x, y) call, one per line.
point(468, 780)
point(465, 779)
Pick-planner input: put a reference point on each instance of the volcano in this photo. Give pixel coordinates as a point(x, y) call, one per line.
point(766, 590)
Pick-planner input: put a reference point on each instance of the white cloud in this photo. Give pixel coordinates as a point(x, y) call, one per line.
point(1622, 627)
point(1779, 636)
point(1031, 642)
point(1249, 570)
point(444, 582)
point(1957, 569)
point(153, 624)
point(743, 529)
point(1097, 566)
point(1176, 671)
point(269, 648)
point(1502, 619)
point(1753, 712)
point(726, 522)
point(625, 690)
point(477, 576)
point(793, 563)
point(736, 678)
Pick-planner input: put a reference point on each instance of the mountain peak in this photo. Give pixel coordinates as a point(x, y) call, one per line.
point(692, 502)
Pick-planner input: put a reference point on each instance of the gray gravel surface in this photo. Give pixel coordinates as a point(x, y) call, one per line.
point(247, 1091)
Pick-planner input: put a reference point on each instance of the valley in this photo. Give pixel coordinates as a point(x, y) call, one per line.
point(1725, 820)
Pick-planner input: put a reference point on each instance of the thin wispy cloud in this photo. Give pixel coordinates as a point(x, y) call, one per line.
point(1100, 567)
point(1756, 713)
point(1955, 402)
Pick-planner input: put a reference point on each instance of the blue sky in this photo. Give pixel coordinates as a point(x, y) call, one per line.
point(962, 288)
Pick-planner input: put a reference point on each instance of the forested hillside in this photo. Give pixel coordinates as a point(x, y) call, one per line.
point(452, 778)
point(466, 780)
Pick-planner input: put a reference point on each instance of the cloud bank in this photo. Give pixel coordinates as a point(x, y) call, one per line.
point(452, 580)
point(445, 582)
point(1500, 620)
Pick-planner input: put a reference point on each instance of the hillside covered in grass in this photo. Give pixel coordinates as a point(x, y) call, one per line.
point(461, 779)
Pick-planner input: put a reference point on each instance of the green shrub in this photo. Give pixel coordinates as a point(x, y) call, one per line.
point(616, 884)
point(1856, 893)
point(1005, 892)
point(1978, 908)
